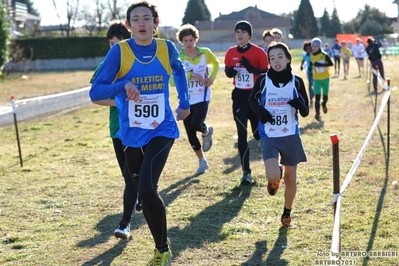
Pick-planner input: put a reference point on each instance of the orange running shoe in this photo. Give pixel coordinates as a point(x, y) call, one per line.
point(273, 187)
point(286, 221)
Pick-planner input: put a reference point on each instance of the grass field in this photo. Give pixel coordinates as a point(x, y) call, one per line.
point(62, 206)
point(38, 84)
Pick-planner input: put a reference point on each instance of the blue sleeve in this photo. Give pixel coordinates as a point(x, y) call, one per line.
point(179, 75)
point(103, 86)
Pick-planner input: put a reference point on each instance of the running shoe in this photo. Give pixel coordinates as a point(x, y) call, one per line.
point(207, 140)
point(324, 105)
point(273, 187)
point(123, 230)
point(317, 117)
point(246, 178)
point(286, 221)
point(161, 259)
point(203, 166)
point(138, 207)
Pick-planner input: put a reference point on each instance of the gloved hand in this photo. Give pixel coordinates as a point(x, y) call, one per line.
point(296, 103)
point(230, 72)
point(244, 62)
point(265, 117)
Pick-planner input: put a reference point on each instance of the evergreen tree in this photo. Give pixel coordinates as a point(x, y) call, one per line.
point(370, 27)
point(207, 13)
point(335, 23)
point(305, 24)
point(325, 25)
point(350, 27)
point(196, 10)
point(373, 18)
point(293, 25)
point(4, 33)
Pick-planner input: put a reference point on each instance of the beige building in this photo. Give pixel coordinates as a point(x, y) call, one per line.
point(20, 19)
point(222, 28)
point(219, 34)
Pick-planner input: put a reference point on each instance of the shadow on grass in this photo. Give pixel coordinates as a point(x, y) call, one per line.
point(170, 193)
point(274, 257)
point(106, 228)
point(260, 251)
point(206, 227)
point(107, 257)
point(380, 200)
point(107, 225)
point(373, 96)
point(233, 163)
point(311, 126)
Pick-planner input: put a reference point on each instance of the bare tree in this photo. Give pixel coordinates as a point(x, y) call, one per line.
point(93, 18)
point(59, 18)
point(72, 14)
point(100, 7)
point(92, 14)
point(115, 11)
point(72, 9)
point(89, 18)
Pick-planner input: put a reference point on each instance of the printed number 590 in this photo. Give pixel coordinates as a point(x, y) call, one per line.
point(146, 110)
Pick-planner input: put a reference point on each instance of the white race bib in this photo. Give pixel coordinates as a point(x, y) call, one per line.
point(284, 121)
point(195, 86)
point(321, 69)
point(244, 79)
point(284, 115)
point(148, 112)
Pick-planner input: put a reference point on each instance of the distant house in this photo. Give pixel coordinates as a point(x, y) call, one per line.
point(20, 19)
point(221, 30)
point(168, 32)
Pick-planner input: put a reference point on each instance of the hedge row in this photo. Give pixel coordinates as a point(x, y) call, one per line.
point(59, 48)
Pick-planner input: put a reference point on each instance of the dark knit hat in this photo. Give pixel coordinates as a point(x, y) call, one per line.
point(244, 25)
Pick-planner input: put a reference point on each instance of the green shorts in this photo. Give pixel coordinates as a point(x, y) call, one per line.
point(320, 86)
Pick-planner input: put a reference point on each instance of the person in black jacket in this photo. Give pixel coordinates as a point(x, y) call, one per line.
point(276, 98)
point(373, 51)
point(243, 63)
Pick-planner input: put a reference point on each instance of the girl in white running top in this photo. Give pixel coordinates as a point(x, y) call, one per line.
point(359, 51)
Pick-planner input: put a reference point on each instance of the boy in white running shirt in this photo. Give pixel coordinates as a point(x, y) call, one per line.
point(276, 98)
